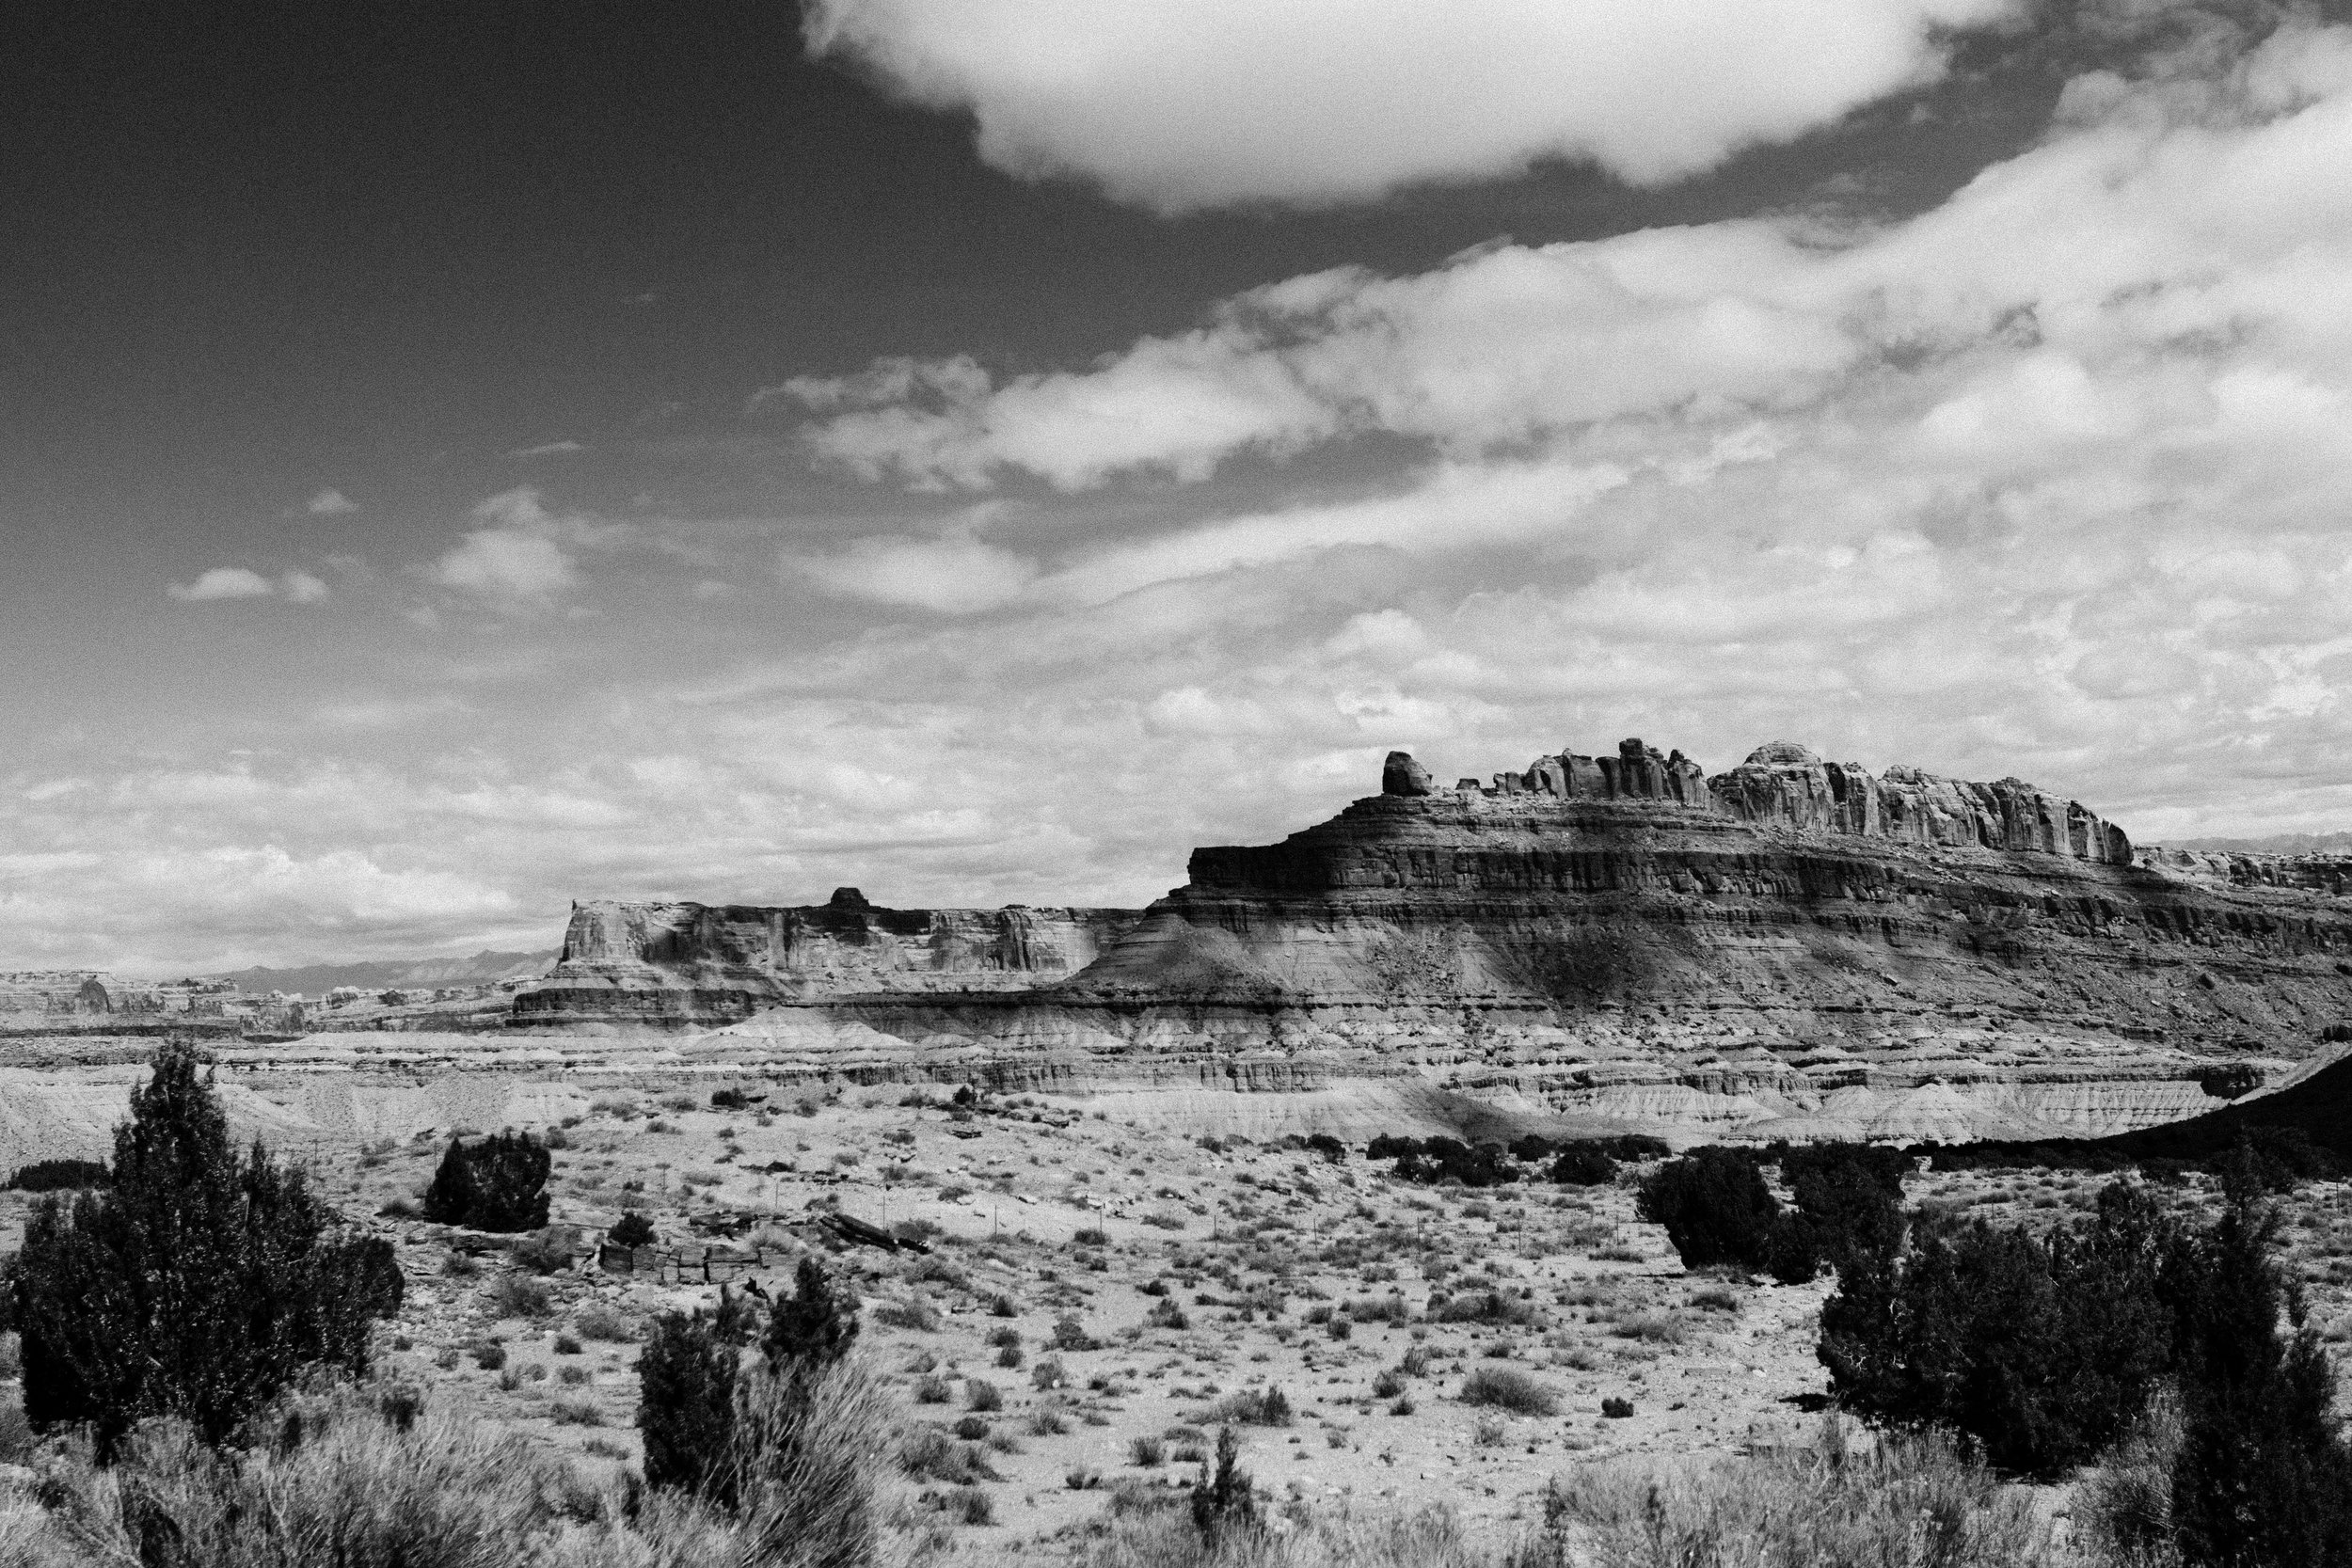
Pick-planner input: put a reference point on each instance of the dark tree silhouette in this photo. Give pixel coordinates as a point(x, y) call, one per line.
point(198, 1285)
point(1715, 1206)
point(494, 1183)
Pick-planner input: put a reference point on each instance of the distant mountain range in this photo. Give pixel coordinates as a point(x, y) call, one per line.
point(315, 979)
point(2278, 843)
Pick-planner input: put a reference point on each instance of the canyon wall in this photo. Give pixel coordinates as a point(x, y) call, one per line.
point(1789, 948)
point(682, 964)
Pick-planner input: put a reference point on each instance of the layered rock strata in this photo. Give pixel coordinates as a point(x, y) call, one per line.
point(684, 964)
point(1790, 948)
point(1783, 784)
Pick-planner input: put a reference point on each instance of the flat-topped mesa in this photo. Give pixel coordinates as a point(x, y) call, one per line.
point(1783, 784)
point(679, 963)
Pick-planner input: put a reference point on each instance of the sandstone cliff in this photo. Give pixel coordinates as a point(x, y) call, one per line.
point(1792, 948)
point(682, 963)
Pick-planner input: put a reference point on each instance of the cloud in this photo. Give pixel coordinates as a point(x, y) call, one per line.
point(1218, 102)
point(954, 574)
point(331, 503)
point(2095, 281)
point(2052, 480)
point(508, 564)
point(222, 583)
point(239, 582)
point(517, 561)
point(552, 448)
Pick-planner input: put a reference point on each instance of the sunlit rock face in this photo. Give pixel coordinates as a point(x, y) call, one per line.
point(682, 963)
point(1789, 948)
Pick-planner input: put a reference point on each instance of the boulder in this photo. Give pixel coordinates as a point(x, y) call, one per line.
point(1402, 775)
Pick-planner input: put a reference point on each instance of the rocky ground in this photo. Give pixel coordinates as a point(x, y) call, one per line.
point(1099, 1296)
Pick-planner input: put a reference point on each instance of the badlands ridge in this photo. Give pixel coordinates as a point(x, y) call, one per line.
point(1791, 948)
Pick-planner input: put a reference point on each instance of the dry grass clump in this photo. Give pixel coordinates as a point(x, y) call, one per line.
point(1904, 1499)
point(1507, 1388)
point(1167, 1538)
point(341, 1480)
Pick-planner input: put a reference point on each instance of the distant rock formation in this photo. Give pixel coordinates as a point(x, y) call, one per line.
point(682, 963)
point(88, 1002)
point(1789, 948)
point(1785, 786)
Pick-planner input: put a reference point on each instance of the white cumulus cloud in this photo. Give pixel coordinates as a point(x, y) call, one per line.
point(222, 583)
point(240, 582)
point(1216, 101)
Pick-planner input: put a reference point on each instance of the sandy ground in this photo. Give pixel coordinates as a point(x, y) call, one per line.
point(1102, 1292)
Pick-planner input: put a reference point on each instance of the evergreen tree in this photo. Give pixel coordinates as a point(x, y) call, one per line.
point(2262, 1480)
point(196, 1286)
point(495, 1183)
point(816, 1326)
point(1715, 1206)
point(686, 1379)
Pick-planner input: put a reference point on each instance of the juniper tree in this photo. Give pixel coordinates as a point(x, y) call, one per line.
point(198, 1285)
point(494, 1183)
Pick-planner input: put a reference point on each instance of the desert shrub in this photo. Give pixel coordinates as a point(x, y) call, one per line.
point(1070, 1335)
point(1508, 1389)
point(815, 1325)
point(1715, 1206)
point(2262, 1474)
point(51, 1176)
point(490, 1357)
point(447, 1491)
point(2042, 1351)
point(914, 1312)
point(17, 1438)
point(546, 1251)
point(495, 1183)
point(599, 1321)
point(1907, 1499)
point(2124, 1508)
point(981, 1395)
point(1582, 1166)
point(1849, 1203)
point(1326, 1146)
point(198, 1285)
point(1224, 1502)
point(687, 1376)
point(1617, 1409)
point(1148, 1452)
point(1254, 1407)
point(933, 1391)
point(730, 1100)
point(633, 1229)
point(1486, 1165)
point(516, 1296)
point(1484, 1307)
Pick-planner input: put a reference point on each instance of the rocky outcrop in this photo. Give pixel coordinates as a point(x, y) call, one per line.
point(682, 964)
point(2328, 874)
point(1783, 784)
point(1791, 945)
point(1792, 948)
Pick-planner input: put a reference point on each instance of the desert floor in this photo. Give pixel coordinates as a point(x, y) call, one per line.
point(1099, 1296)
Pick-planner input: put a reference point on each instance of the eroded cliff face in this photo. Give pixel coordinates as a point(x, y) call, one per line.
point(1789, 948)
point(684, 964)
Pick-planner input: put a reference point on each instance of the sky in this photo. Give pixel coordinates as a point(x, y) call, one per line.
point(456, 460)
